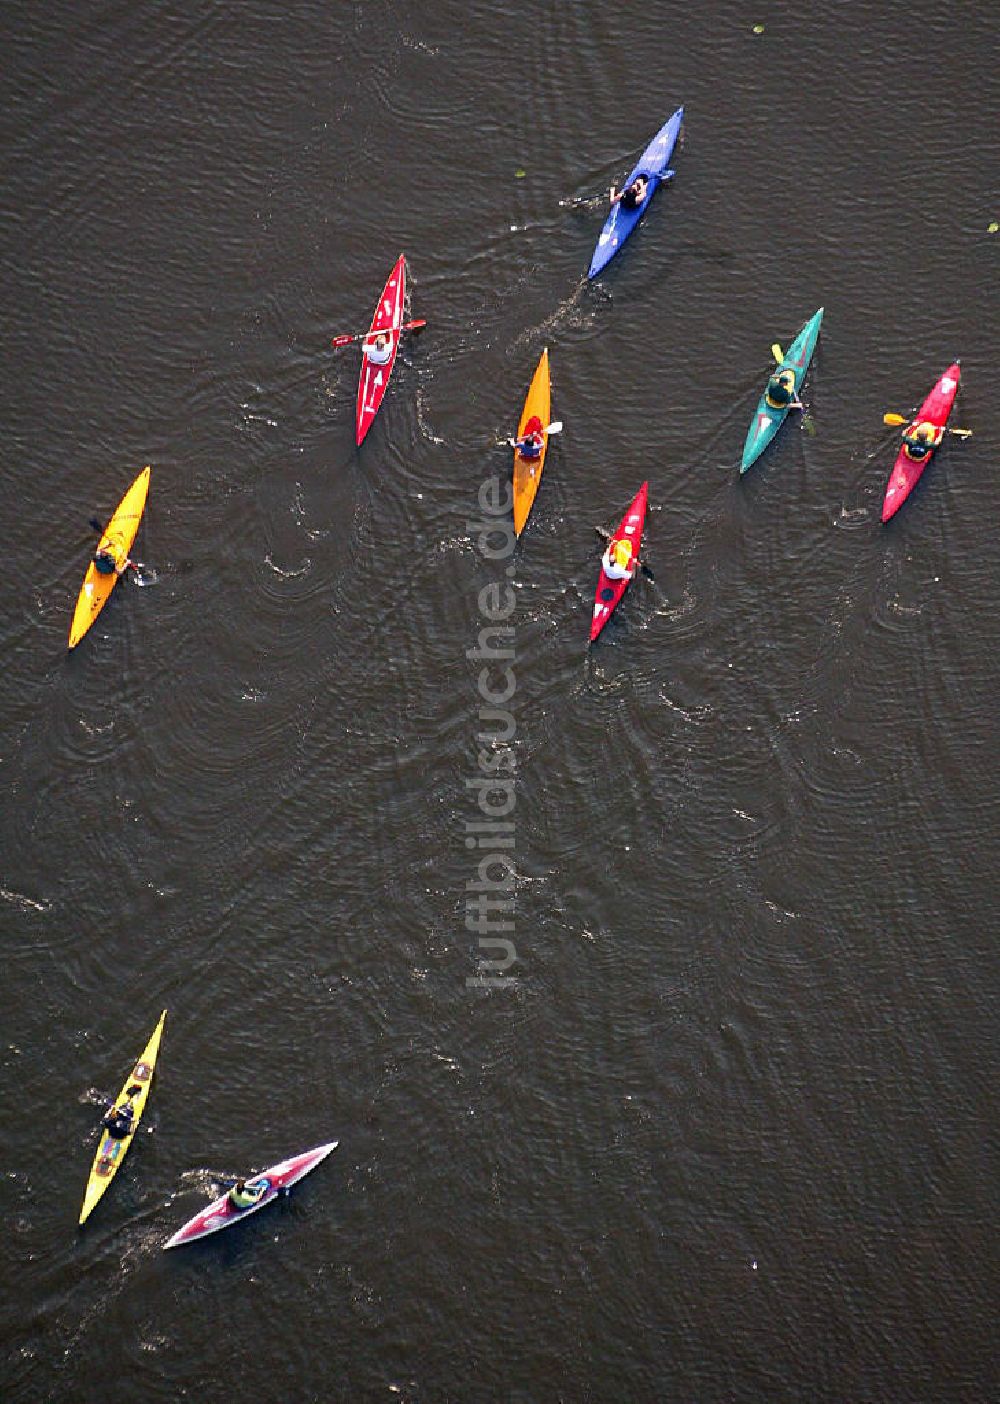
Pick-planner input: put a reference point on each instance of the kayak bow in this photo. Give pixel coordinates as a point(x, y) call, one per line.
point(118, 537)
point(905, 471)
point(528, 471)
point(621, 222)
point(767, 420)
point(111, 1152)
point(222, 1215)
point(609, 592)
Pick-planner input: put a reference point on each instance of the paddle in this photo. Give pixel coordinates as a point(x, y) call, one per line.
point(580, 200)
point(556, 427)
point(415, 325)
point(890, 418)
point(606, 536)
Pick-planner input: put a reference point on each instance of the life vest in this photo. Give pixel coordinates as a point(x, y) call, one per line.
point(781, 379)
point(617, 562)
point(924, 437)
point(532, 440)
point(248, 1196)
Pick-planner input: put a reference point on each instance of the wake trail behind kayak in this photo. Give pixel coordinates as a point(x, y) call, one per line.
point(561, 317)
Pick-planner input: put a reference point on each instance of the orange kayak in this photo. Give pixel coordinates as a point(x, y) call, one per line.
point(118, 537)
point(528, 471)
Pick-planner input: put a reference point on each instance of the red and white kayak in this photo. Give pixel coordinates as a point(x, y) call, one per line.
point(388, 318)
point(222, 1214)
point(906, 471)
point(609, 592)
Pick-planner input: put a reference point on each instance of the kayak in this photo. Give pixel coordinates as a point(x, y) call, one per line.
point(767, 420)
point(528, 471)
point(118, 536)
point(653, 164)
point(388, 317)
point(222, 1215)
point(111, 1152)
point(905, 471)
point(609, 592)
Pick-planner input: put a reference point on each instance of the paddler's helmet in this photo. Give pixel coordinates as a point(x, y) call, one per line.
point(621, 553)
point(927, 431)
point(786, 378)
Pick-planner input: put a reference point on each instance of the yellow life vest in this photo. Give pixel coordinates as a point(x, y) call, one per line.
point(621, 554)
point(787, 379)
point(243, 1199)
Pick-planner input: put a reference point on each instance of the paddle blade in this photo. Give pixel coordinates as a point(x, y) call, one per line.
point(418, 325)
point(556, 427)
point(890, 418)
point(961, 433)
point(342, 340)
point(777, 353)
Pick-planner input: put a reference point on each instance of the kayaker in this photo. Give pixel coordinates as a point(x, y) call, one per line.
point(106, 562)
point(780, 393)
point(532, 441)
point(921, 439)
point(633, 195)
point(379, 349)
point(617, 560)
point(120, 1121)
point(244, 1195)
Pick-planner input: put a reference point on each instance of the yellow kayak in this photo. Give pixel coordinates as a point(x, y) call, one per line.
point(117, 539)
point(534, 417)
point(111, 1152)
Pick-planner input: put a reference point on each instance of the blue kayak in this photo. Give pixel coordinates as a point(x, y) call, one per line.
point(653, 165)
point(768, 419)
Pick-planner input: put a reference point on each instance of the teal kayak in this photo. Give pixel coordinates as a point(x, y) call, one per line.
point(767, 420)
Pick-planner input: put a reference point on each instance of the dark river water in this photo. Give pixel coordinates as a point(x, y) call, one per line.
point(719, 1122)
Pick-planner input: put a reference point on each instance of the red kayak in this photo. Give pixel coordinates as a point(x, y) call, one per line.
point(222, 1214)
point(906, 471)
point(609, 592)
point(388, 318)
